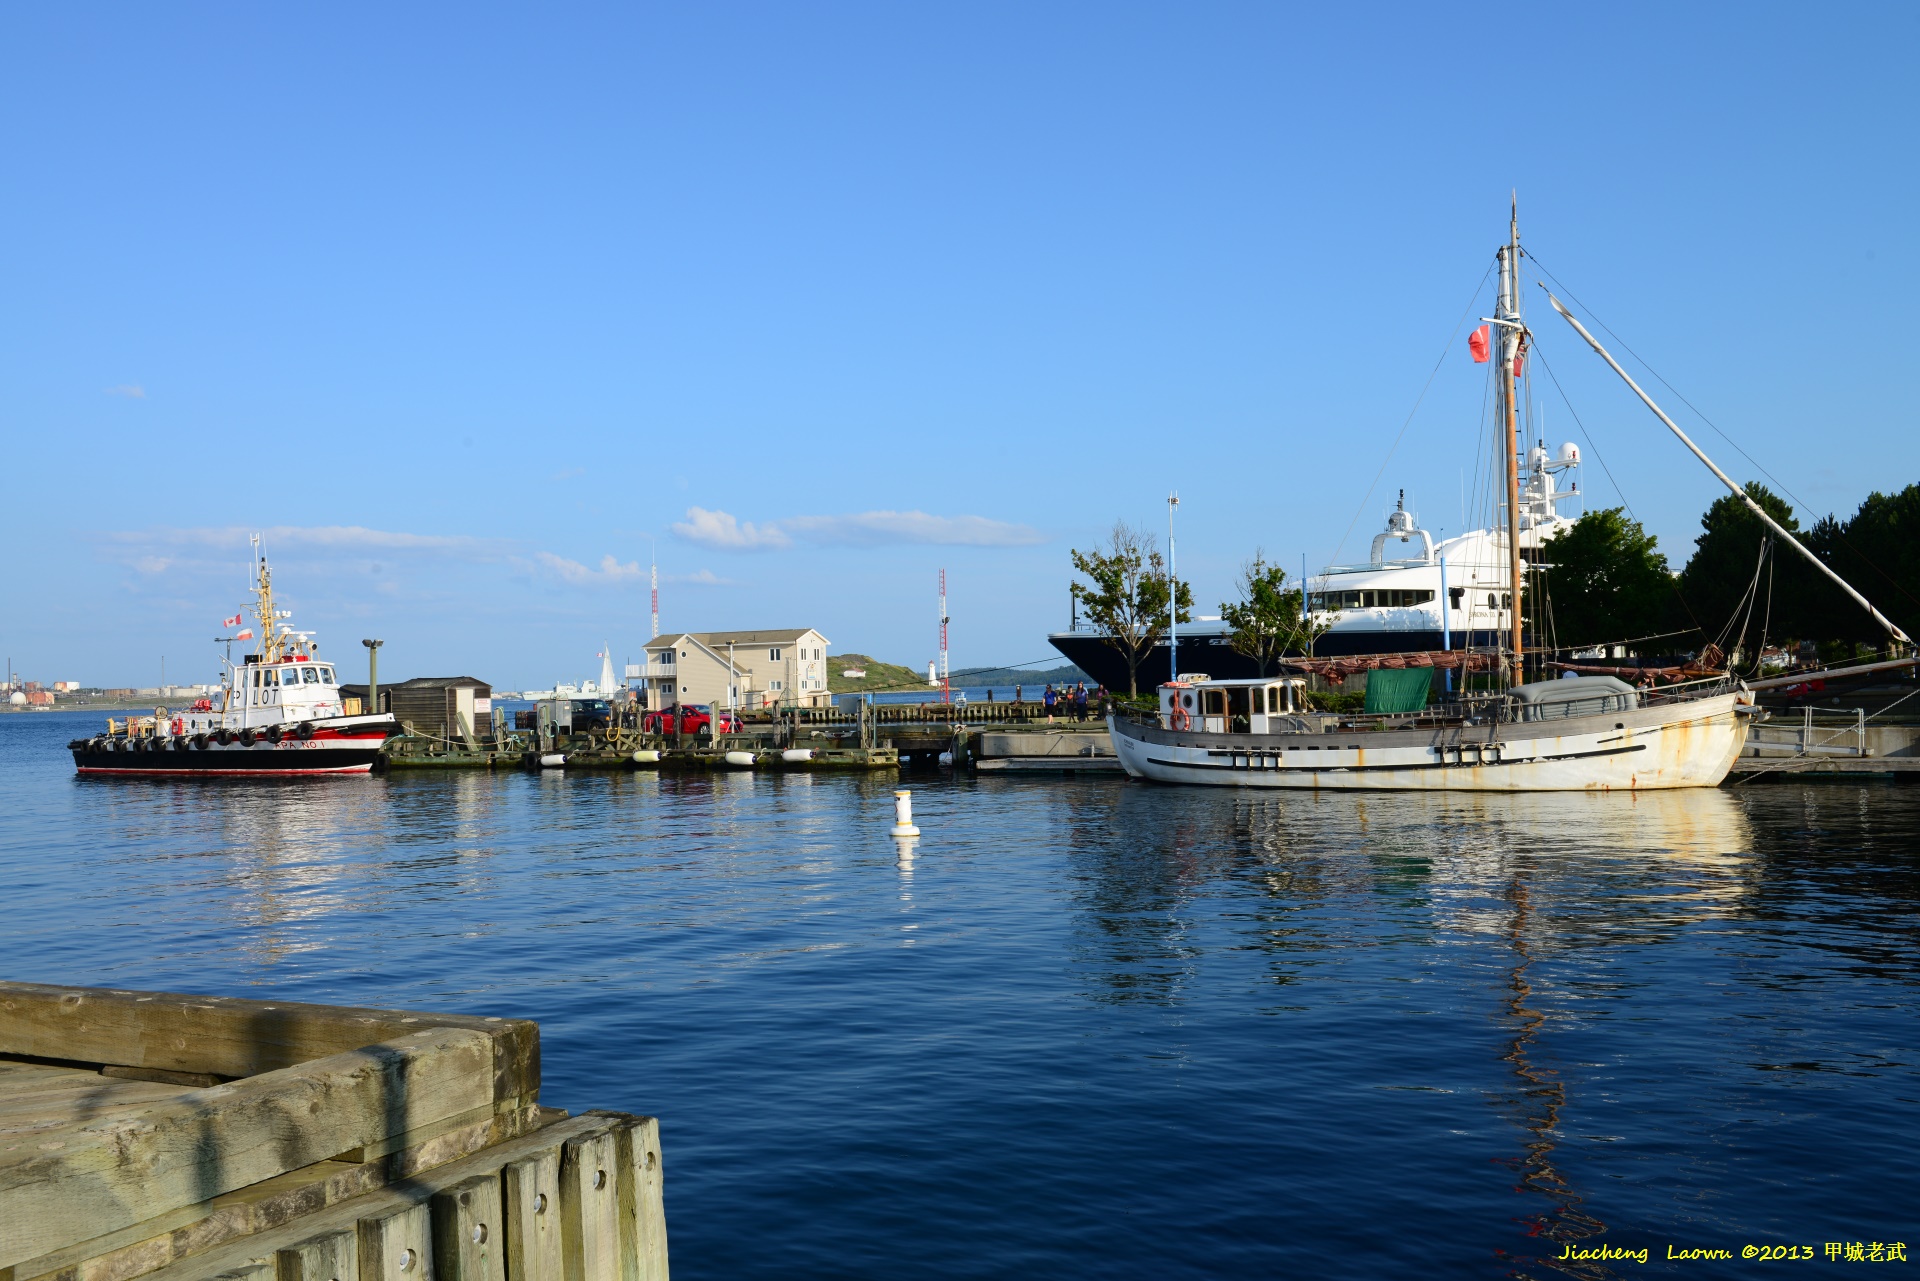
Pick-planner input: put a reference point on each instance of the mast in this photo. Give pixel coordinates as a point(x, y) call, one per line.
point(1898, 636)
point(1512, 333)
point(263, 585)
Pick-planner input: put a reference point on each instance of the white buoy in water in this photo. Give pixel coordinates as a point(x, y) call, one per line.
point(739, 758)
point(797, 755)
point(903, 814)
point(553, 760)
point(647, 756)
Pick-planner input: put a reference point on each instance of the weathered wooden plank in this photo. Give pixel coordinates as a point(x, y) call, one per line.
point(128, 1253)
point(219, 1036)
point(396, 1244)
point(399, 1195)
point(327, 1256)
point(468, 1231)
point(113, 1173)
point(643, 1210)
point(535, 1250)
point(590, 1206)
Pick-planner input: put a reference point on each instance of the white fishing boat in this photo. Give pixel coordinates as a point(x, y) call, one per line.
point(280, 714)
point(1572, 734)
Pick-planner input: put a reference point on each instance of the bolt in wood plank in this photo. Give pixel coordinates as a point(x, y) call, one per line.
point(590, 1207)
point(468, 1231)
point(643, 1211)
point(255, 1270)
point(397, 1244)
point(535, 1250)
point(330, 1256)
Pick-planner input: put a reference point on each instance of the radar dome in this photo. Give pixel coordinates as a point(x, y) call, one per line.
point(17, 699)
point(1569, 453)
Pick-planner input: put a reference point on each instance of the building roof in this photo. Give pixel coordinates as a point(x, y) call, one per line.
point(786, 635)
point(423, 682)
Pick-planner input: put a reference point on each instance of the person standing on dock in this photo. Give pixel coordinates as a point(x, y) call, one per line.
point(1051, 699)
point(1080, 701)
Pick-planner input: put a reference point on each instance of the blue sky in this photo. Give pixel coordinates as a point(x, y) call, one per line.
point(471, 308)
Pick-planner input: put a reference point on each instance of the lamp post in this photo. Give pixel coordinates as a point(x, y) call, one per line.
point(373, 676)
point(1173, 596)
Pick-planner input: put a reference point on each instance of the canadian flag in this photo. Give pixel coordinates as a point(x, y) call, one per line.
point(232, 622)
point(1477, 343)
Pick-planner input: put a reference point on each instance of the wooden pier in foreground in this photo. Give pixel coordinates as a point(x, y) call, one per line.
point(184, 1138)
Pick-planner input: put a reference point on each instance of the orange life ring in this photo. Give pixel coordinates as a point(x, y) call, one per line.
point(1178, 718)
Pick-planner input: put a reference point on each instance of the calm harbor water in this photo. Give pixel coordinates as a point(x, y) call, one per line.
point(1094, 1028)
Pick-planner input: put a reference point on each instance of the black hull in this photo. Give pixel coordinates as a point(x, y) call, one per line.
point(263, 760)
point(1213, 655)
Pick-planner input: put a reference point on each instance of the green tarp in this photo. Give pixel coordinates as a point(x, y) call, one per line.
point(1398, 689)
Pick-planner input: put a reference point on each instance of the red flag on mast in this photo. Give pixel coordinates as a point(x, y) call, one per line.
point(1477, 343)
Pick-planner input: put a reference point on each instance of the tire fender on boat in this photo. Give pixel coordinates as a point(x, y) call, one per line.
point(305, 731)
point(247, 737)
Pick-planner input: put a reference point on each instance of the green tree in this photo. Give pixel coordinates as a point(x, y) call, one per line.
point(1607, 580)
point(1266, 619)
point(1714, 584)
point(1128, 593)
point(1878, 551)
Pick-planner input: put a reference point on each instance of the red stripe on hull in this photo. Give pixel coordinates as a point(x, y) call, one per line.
point(227, 773)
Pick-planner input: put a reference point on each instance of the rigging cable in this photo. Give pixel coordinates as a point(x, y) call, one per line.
point(1624, 501)
point(1803, 505)
point(1464, 313)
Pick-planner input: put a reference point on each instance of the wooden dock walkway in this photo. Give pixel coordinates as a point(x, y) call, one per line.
point(182, 1138)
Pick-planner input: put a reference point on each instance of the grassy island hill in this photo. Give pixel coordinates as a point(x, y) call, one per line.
point(879, 675)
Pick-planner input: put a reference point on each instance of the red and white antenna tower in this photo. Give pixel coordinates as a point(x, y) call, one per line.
point(946, 686)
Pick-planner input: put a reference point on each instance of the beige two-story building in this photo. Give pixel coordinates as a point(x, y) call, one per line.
point(745, 670)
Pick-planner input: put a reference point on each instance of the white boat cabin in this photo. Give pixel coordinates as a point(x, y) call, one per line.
point(1230, 707)
point(296, 688)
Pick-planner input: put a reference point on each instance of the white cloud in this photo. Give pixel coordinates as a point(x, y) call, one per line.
point(701, 577)
point(872, 528)
point(722, 530)
point(611, 571)
point(132, 391)
point(153, 564)
point(718, 529)
point(284, 537)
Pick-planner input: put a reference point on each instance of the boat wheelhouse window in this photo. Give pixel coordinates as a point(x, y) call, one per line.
point(311, 675)
point(256, 678)
point(326, 676)
point(1457, 593)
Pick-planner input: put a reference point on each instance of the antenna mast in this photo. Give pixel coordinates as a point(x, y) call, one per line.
point(946, 685)
point(654, 557)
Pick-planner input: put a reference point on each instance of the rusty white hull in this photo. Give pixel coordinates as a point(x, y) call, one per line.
point(1683, 744)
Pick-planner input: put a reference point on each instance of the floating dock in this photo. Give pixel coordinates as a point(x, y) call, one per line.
point(161, 1137)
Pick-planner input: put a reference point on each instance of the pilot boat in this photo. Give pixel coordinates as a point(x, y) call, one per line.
point(280, 713)
point(1580, 732)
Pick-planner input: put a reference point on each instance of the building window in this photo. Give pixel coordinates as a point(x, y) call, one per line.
point(773, 655)
point(775, 685)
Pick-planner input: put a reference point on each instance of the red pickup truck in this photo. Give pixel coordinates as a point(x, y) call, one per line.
point(693, 718)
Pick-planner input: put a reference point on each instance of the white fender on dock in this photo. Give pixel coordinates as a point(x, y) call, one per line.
point(739, 758)
point(797, 755)
point(646, 756)
point(553, 760)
